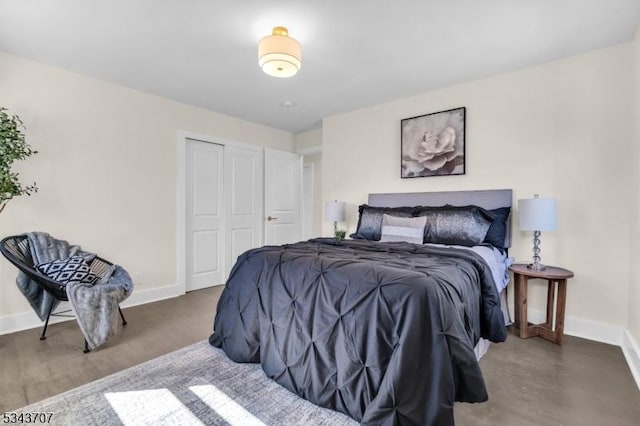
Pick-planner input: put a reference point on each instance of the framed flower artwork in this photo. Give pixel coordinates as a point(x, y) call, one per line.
point(433, 144)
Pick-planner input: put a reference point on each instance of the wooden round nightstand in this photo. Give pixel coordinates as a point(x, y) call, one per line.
point(553, 275)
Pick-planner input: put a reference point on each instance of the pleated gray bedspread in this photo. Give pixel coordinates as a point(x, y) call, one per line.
point(383, 332)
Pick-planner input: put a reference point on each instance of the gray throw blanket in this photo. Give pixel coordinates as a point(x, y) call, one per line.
point(43, 249)
point(95, 306)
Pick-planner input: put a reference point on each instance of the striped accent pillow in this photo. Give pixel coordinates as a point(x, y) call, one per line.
point(407, 229)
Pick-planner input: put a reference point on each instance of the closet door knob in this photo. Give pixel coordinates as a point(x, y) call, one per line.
point(270, 218)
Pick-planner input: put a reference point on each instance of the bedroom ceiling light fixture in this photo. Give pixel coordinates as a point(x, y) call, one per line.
point(537, 214)
point(334, 211)
point(279, 55)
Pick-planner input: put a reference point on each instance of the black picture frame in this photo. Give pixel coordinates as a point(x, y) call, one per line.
point(433, 144)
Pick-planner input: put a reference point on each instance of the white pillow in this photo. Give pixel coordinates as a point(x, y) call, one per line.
point(408, 229)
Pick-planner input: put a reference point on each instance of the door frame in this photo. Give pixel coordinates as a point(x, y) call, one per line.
point(308, 219)
point(181, 196)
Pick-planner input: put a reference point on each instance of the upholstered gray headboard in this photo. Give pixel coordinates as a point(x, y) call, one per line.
point(488, 199)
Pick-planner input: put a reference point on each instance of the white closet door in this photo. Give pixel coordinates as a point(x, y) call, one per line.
point(205, 215)
point(283, 195)
point(243, 202)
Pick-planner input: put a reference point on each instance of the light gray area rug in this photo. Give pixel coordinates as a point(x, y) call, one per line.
point(192, 386)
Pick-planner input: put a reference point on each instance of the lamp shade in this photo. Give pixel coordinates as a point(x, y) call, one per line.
point(279, 55)
point(537, 214)
point(334, 211)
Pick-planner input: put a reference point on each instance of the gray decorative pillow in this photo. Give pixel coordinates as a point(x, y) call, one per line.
point(370, 220)
point(408, 229)
point(72, 269)
point(463, 226)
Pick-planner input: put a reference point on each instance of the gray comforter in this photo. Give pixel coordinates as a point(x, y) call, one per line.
point(383, 332)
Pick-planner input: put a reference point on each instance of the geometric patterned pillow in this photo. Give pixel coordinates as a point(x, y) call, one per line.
point(73, 269)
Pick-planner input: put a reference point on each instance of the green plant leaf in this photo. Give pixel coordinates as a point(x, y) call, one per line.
point(13, 147)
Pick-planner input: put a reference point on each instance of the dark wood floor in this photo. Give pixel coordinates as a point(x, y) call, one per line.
point(531, 382)
point(31, 370)
point(536, 382)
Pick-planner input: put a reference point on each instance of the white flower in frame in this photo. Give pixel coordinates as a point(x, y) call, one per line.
point(433, 144)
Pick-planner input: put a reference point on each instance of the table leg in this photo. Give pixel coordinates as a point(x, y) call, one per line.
point(516, 299)
point(562, 295)
point(521, 282)
point(551, 293)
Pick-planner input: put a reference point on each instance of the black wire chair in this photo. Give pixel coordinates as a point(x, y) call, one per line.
point(16, 249)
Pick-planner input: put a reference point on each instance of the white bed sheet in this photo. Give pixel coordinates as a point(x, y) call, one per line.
point(497, 261)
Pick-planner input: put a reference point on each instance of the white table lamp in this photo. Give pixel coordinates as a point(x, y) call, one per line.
point(334, 211)
point(537, 214)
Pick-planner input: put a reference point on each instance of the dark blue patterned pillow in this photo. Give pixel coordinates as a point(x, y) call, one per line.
point(498, 230)
point(74, 269)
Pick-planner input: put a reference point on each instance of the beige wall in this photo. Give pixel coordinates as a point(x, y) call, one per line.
point(106, 168)
point(309, 139)
point(634, 285)
point(562, 130)
point(306, 141)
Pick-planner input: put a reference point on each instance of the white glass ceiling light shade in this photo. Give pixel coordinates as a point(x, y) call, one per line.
point(279, 55)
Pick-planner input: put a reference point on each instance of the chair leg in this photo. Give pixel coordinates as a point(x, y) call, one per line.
point(124, 321)
point(46, 323)
point(86, 347)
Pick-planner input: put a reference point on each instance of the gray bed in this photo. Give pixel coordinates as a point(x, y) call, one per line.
point(383, 332)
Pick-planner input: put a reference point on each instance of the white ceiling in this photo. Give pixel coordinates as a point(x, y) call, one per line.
point(356, 53)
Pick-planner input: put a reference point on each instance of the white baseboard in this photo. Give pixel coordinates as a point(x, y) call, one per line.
point(29, 319)
point(585, 329)
point(26, 320)
point(140, 297)
point(631, 352)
